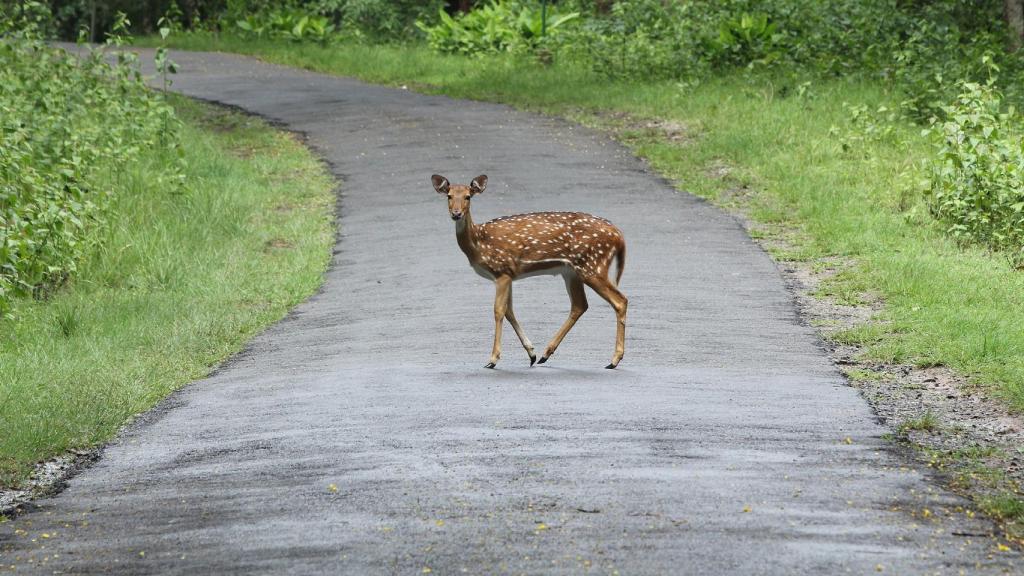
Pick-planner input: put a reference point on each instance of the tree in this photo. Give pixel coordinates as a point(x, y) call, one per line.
point(1014, 13)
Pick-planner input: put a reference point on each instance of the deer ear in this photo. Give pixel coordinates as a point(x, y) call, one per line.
point(440, 183)
point(478, 184)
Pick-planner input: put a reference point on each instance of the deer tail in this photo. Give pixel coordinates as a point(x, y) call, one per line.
point(620, 263)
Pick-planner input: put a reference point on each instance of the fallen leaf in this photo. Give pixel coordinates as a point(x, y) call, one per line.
point(1003, 547)
point(332, 488)
point(439, 523)
point(746, 509)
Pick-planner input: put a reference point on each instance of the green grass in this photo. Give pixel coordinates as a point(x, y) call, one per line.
point(841, 192)
point(185, 276)
point(927, 422)
point(1007, 508)
point(994, 492)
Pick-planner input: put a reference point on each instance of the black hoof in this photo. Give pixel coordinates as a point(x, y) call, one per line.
point(610, 367)
point(533, 359)
point(542, 360)
point(490, 365)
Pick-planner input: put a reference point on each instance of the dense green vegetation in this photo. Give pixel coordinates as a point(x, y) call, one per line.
point(65, 123)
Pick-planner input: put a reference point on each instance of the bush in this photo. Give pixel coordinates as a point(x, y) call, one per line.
point(287, 23)
point(499, 26)
point(379, 20)
point(921, 47)
point(976, 183)
point(747, 39)
point(63, 120)
point(639, 39)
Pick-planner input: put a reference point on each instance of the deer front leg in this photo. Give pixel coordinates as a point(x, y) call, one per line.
point(511, 316)
point(607, 290)
point(578, 297)
point(502, 284)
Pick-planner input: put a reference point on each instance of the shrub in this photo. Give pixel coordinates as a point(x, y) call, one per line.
point(287, 23)
point(640, 39)
point(747, 39)
point(976, 182)
point(63, 120)
point(379, 20)
point(499, 26)
point(921, 47)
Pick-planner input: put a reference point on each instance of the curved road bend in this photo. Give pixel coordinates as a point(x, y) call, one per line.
point(717, 447)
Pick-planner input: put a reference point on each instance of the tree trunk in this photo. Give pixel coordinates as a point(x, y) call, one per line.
point(1014, 12)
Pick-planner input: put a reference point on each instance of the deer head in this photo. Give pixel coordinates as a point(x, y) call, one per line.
point(458, 195)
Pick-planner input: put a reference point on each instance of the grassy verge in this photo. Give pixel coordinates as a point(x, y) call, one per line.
point(186, 275)
point(791, 149)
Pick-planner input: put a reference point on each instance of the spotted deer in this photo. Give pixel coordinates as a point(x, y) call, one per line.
point(577, 246)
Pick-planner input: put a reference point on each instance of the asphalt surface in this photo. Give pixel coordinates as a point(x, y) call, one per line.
point(362, 435)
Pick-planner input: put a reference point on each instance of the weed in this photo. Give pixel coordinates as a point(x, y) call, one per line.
point(927, 422)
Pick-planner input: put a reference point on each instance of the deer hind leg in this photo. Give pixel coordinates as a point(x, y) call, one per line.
point(578, 297)
point(503, 288)
point(606, 289)
point(511, 317)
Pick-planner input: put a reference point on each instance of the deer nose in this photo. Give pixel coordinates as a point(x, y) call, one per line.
point(456, 215)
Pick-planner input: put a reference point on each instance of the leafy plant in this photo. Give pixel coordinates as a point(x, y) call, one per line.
point(645, 39)
point(164, 65)
point(287, 23)
point(748, 39)
point(976, 182)
point(64, 120)
point(499, 26)
point(868, 125)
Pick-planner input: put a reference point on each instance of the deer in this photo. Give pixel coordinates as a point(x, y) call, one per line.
point(579, 247)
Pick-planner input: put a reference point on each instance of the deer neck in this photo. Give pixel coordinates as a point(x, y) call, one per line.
point(466, 235)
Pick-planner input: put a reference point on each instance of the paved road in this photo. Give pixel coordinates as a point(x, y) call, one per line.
point(715, 448)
